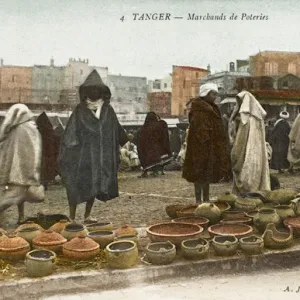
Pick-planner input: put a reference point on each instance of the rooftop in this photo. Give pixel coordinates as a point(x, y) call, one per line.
point(191, 68)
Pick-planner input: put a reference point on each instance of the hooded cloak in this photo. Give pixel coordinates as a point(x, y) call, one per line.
point(294, 145)
point(89, 154)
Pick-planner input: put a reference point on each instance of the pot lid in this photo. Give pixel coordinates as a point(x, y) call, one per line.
point(49, 237)
point(81, 244)
point(12, 243)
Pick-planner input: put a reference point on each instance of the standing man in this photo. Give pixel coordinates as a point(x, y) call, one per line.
point(279, 142)
point(89, 154)
point(207, 155)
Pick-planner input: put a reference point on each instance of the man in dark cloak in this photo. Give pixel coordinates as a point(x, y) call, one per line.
point(175, 141)
point(279, 142)
point(89, 156)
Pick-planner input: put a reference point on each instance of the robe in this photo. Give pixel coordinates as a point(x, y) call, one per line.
point(294, 145)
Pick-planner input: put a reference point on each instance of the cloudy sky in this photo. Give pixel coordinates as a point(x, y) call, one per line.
point(33, 31)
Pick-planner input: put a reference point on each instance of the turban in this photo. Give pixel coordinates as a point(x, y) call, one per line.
point(206, 88)
point(284, 115)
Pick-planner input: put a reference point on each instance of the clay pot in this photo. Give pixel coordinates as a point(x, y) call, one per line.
point(81, 248)
point(121, 254)
point(129, 237)
point(209, 211)
point(172, 210)
point(296, 206)
point(237, 230)
point(294, 223)
point(229, 198)
point(28, 233)
point(40, 262)
point(281, 196)
point(252, 244)
point(126, 229)
point(285, 211)
point(264, 217)
point(60, 226)
point(13, 248)
point(187, 211)
point(232, 214)
point(29, 224)
point(103, 238)
point(225, 245)
point(223, 206)
point(161, 253)
point(105, 226)
point(49, 240)
point(275, 239)
point(74, 230)
point(242, 220)
point(194, 248)
point(201, 221)
point(247, 204)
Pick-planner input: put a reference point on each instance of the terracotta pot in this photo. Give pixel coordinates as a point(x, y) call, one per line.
point(223, 206)
point(60, 226)
point(187, 211)
point(228, 198)
point(29, 224)
point(103, 238)
point(252, 244)
point(74, 230)
point(243, 220)
point(237, 230)
point(225, 245)
point(28, 233)
point(105, 226)
point(13, 248)
point(172, 210)
point(275, 239)
point(49, 240)
point(161, 253)
point(40, 262)
point(129, 237)
point(264, 217)
point(81, 248)
point(201, 221)
point(126, 229)
point(121, 254)
point(294, 223)
point(246, 204)
point(194, 248)
point(285, 211)
point(232, 214)
point(209, 211)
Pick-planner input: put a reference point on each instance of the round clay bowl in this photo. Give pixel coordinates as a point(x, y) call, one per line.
point(173, 232)
point(171, 210)
point(237, 230)
point(228, 214)
point(187, 211)
point(201, 221)
point(223, 206)
point(293, 222)
point(243, 220)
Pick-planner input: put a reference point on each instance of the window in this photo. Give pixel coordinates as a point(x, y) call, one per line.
point(285, 85)
point(165, 85)
point(292, 68)
point(271, 68)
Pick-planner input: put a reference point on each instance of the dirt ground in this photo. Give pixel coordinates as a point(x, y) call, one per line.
point(142, 201)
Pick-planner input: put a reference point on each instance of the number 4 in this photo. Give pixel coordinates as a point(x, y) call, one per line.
point(122, 19)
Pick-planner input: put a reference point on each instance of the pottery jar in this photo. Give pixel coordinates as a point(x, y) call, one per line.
point(81, 248)
point(209, 211)
point(49, 240)
point(296, 206)
point(13, 248)
point(121, 254)
point(232, 214)
point(40, 262)
point(74, 230)
point(107, 226)
point(103, 238)
point(29, 224)
point(60, 225)
point(126, 229)
point(195, 248)
point(246, 204)
point(225, 245)
point(275, 239)
point(160, 253)
point(130, 237)
point(228, 198)
point(282, 196)
point(28, 233)
point(252, 244)
point(285, 211)
point(264, 217)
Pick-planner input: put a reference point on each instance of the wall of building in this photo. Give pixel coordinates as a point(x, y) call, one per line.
point(186, 82)
point(129, 94)
point(16, 84)
point(160, 103)
point(289, 81)
point(160, 85)
point(275, 63)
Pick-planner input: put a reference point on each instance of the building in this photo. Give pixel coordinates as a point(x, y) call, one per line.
point(274, 63)
point(160, 85)
point(15, 85)
point(160, 103)
point(242, 65)
point(129, 94)
point(186, 82)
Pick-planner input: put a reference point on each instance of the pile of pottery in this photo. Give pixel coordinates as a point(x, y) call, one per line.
point(39, 247)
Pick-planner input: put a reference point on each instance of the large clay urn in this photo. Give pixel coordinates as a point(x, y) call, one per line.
point(264, 217)
point(209, 211)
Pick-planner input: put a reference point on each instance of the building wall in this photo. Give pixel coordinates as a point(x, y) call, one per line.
point(186, 82)
point(15, 84)
point(288, 82)
point(47, 84)
point(275, 63)
point(160, 103)
point(160, 85)
point(129, 94)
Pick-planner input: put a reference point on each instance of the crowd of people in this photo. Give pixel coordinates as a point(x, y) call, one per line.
point(94, 147)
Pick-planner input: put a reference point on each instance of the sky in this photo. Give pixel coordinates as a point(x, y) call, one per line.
point(33, 31)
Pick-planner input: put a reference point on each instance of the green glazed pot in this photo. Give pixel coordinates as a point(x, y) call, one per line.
point(161, 253)
point(264, 217)
point(195, 248)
